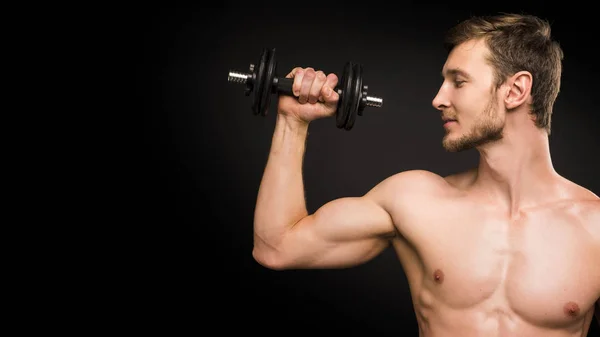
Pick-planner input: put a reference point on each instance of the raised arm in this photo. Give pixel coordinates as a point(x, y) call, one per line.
point(341, 233)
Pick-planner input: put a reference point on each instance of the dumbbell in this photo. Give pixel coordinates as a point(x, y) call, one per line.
point(263, 82)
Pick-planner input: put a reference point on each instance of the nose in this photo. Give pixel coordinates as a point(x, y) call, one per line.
point(440, 101)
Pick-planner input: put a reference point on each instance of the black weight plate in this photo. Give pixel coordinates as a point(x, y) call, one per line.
point(343, 102)
point(259, 82)
point(356, 96)
point(267, 86)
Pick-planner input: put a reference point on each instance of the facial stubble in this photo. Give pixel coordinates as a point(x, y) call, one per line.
point(488, 128)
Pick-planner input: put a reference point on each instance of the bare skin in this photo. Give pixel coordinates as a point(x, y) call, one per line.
point(509, 248)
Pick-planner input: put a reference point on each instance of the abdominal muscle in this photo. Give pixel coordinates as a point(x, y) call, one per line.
point(487, 318)
point(478, 320)
point(490, 318)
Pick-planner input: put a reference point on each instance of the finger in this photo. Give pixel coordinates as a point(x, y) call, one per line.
point(328, 92)
point(315, 90)
point(307, 80)
point(297, 73)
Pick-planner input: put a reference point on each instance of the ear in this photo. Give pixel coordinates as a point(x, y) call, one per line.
point(519, 89)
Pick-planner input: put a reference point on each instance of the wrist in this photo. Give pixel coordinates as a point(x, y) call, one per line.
point(293, 124)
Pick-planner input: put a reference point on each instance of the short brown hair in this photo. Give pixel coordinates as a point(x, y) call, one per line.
point(518, 42)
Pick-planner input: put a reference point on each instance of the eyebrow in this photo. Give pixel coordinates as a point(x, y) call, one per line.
point(456, 72)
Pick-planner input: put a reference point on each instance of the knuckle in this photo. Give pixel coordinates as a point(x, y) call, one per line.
point(309, 73)
point(293, 72)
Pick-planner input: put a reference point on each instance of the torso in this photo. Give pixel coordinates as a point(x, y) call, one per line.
point(473, 270)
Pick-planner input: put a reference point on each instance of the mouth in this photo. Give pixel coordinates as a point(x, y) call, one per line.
point(448, 121)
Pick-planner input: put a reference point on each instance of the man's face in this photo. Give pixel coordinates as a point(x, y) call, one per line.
point(468, 100)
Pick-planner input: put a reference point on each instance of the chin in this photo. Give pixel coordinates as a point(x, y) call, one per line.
point(451, 137)
point(456, 143)
point(449, 146)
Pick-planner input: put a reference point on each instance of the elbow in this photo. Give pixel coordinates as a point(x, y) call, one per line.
point(268, 258)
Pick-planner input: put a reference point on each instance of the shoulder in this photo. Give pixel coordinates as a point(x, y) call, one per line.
point(416, 185)
point(588, 212)
point(427, 179)
point(581, 200)
point(414, 179)
point(588, 215)
point(584, 205)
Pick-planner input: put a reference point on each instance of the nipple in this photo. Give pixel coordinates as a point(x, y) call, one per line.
point(571, 309)
point(438, 276)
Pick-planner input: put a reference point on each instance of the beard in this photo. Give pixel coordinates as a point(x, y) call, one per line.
point(488, 128)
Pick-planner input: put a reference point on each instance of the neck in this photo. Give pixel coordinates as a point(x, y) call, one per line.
point(515, 169)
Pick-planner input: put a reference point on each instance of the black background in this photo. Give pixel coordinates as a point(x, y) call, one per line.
point(193, 173)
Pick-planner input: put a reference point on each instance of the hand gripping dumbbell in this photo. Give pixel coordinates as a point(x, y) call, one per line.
point(263, 81)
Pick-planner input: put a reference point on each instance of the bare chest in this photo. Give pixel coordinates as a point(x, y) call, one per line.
point(541, 266)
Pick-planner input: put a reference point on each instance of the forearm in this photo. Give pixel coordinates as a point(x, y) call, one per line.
point(281, 200)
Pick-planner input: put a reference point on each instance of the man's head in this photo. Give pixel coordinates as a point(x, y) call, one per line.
point(496, 66)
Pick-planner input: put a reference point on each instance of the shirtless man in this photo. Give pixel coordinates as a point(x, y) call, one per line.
point(508, 248)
